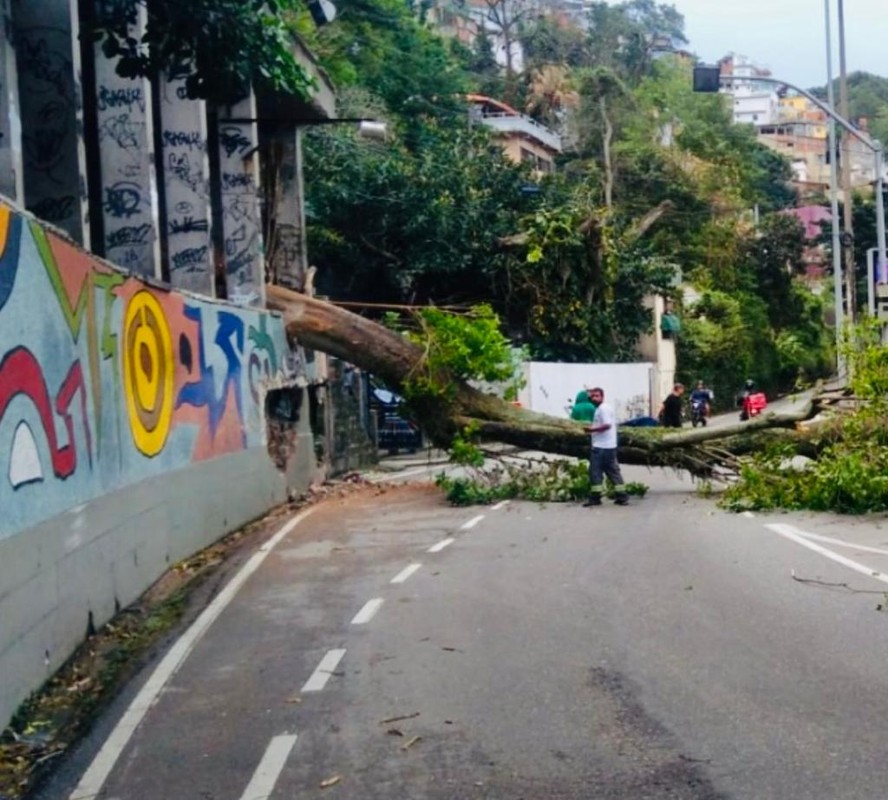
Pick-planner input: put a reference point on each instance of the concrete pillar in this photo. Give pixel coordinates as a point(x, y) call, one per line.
point(126, 163)
point(10, 122)
point(287, 250)
point(186, 181)
point(241, 213)
point(50, 96)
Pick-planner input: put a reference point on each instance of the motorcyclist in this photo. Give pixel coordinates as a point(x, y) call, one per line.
point(750, 400)
point(701, 398)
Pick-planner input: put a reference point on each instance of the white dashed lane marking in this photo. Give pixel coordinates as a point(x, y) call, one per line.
point(95, 776)
point(466, 526)
point(323, 671)
point(265, 777)
point(499, 505)
point(368, 611)
point(405, 573)
point(437, 548)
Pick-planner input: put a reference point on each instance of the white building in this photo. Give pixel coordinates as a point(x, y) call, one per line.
point(754, 101)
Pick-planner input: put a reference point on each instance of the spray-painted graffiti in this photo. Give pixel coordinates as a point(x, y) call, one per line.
point(49, 102)
point(148, 372)
point(106, 381)
point(186, 187)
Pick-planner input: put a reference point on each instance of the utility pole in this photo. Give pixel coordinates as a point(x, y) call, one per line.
point(847, 209)
point(834, 205)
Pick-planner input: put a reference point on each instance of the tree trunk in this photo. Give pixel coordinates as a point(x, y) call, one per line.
point(388, 355)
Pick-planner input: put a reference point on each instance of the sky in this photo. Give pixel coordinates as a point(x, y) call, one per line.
point(788, 36)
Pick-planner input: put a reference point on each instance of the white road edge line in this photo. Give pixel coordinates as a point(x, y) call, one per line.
point(799, 537)
point(499, 505)
point(323, 671)
point(98, 771)
point(841, 543)
point(405, 573)
point(467, 526)
point(437, 548)
point(270, 767)
point(368, 611)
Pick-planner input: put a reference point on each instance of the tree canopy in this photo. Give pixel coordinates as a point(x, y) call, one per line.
point(219, 47)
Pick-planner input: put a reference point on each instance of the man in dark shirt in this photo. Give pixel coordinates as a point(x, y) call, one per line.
point(670, 411)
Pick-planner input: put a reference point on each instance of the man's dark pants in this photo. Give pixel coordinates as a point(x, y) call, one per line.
point(603, 462)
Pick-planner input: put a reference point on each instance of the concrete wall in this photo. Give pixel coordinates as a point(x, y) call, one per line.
point(133, 432)
point(660, 350)
point(186, 177)
point(241, 218)
point(10, 123)
point(551, 387)
point(51, 106)
point(126, 165)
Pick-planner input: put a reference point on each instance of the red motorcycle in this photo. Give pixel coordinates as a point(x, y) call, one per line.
point(752, 403)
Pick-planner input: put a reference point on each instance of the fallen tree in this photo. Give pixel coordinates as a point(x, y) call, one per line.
point(396, 360)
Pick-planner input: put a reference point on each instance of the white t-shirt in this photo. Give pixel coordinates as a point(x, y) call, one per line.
point(607, 440)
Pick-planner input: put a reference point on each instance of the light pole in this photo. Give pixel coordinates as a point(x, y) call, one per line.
point(709, 79)
point(834, 200)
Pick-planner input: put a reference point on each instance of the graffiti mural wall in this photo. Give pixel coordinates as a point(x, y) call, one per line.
point(106, 381)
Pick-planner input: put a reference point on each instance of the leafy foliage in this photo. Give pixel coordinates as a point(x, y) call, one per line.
point(555, 481)
point(851, 473)
point(220, 47)
point(867, 97)
point(420, 223)
point(461, 347)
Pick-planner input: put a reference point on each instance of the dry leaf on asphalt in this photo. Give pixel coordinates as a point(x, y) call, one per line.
point(410, 742)
point(330, 782)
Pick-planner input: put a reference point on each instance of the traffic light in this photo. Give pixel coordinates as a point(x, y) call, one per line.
point(706, 78)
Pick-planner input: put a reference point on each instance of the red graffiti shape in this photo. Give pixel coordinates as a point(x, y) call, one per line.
point(21, 374)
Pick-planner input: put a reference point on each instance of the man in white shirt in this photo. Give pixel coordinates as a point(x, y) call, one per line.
point(603, 459)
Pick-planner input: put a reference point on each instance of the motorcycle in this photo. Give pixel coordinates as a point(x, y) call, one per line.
point(698, 412)
point(753, 404)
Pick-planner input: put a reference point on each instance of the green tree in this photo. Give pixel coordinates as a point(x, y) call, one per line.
point(220, 47)
point(772, 257)
point(420, 223)
point(867, 97)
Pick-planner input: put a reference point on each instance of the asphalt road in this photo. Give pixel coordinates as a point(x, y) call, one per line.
point(787, 404)
point(665, 650)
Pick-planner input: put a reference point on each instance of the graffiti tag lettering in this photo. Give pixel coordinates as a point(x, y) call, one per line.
point(120, 98)
point(189, 225)
point(190, 139)
point(123, 199)
point(132, 235)
point(192, 259)
point(233, 140)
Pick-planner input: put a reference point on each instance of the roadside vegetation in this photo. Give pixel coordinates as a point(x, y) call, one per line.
point(850, 473)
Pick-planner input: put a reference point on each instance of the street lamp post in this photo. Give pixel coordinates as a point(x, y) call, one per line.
point(834, 201)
